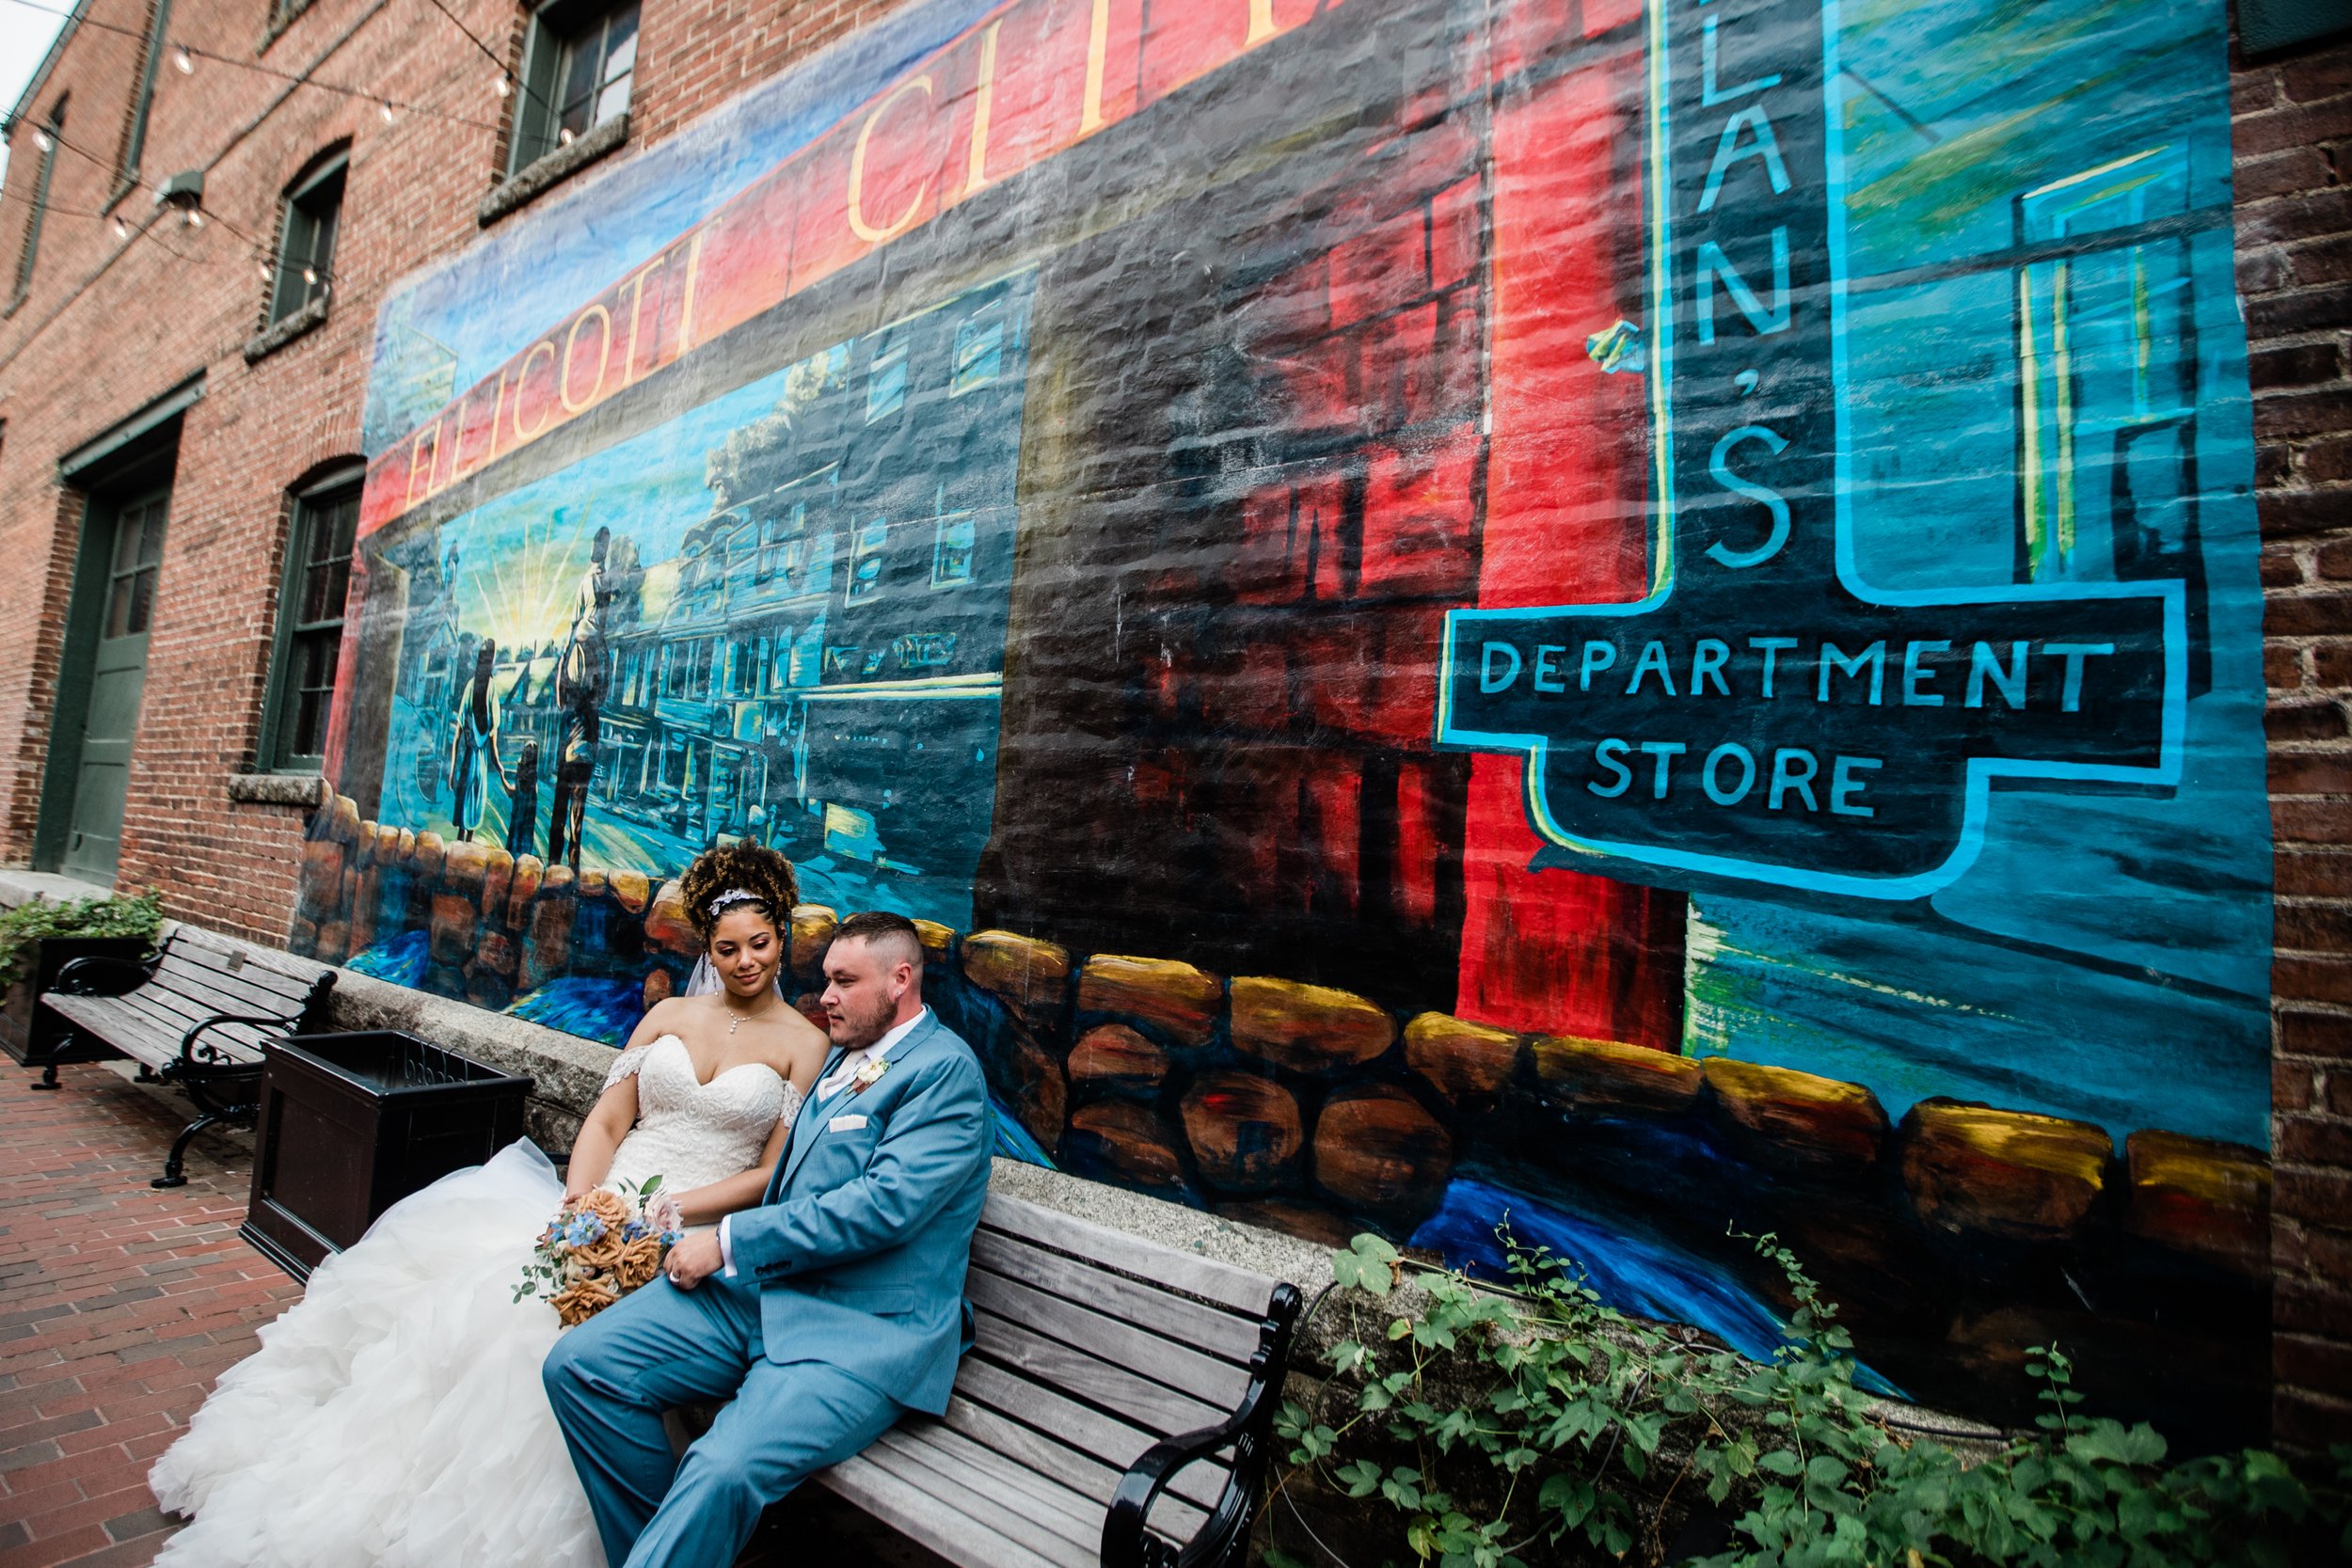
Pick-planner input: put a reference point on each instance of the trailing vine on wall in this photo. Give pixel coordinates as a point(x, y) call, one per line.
point(1506, 1428)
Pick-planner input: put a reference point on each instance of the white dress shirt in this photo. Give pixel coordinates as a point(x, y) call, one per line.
point(830, 1083)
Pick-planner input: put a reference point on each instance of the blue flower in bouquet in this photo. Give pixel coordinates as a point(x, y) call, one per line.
point(584, 1229)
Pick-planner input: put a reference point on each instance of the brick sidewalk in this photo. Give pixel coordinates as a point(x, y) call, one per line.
point(118, 1307)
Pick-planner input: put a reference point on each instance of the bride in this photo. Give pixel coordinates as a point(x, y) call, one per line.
point(395, 1417)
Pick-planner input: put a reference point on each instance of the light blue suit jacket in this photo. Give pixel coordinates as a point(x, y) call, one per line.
point(860, 1247)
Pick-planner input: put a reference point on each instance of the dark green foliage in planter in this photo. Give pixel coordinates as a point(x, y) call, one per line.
point(29, 924)
point(1507, 1429)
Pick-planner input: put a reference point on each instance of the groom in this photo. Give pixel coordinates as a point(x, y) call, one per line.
point(825, 1312)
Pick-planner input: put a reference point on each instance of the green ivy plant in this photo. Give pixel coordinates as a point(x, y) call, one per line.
point(30, 923)
point(1504, 1428)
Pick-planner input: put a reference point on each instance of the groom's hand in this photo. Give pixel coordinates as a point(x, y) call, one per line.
point(693, 1260)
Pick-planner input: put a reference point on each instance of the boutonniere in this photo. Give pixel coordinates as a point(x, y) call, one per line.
point(868, 1073)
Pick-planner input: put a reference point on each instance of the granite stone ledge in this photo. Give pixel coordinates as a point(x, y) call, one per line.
point(302, 322)
point(526, 184)
point(306, 790)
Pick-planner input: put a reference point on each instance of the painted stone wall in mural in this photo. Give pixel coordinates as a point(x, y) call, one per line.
point(1643, 618)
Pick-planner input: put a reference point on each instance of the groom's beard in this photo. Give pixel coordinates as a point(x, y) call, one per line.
point(858, 1028)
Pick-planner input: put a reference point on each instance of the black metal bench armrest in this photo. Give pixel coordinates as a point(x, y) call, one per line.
point(1250, 1430)
point(99, 975)
point(208, 1056)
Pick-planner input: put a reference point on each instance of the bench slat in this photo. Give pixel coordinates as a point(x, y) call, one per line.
point(1009, 1396)
point(170, 995)
point(979, 1513)
point(1219, 1332)
point(1051, 1479)
point(1066, 1368)
point(924, 1519)
point(1075, 1518)
point(254, 991)
point(108, 1017)
point(195, 986)
point(129, 1032)
point(1205, 1278)
point(259, 967)
point(1180, 1367)
point(176, 1017)
point(1043, 1452)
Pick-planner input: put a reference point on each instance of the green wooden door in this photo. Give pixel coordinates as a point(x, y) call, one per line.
point(117, 673)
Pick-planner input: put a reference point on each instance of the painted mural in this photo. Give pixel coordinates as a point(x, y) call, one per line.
point(1642, 618)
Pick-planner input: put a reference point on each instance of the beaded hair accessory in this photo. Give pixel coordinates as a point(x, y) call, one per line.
point(729, 899)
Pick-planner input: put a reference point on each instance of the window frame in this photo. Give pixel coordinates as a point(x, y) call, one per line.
point(28, 253)
point(135, 127)
point(332, 167)
point(305, 508)
point(555, 30)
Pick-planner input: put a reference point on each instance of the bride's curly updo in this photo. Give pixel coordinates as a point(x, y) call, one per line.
point(752, 868)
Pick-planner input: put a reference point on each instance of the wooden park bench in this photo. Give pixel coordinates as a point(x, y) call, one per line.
point(195, 1014)
point(1116, 1410)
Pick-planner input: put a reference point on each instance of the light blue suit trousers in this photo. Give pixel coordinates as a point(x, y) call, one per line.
point(612, 1377)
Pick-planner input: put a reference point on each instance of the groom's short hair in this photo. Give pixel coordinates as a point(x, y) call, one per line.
point(892, 935)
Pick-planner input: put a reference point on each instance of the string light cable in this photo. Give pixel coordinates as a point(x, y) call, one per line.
point(184, 54)
point(197, 215)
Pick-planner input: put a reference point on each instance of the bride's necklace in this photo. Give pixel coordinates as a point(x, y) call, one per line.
point(734, 1017)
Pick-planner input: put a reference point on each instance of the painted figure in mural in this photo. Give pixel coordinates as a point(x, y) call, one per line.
point(394, 1416)
point(474, 757)
point(522, 815)
point(575, 766)
point(876, 1201)
point(581, 674)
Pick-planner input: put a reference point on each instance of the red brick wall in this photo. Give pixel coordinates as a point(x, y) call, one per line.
point(2293, 136)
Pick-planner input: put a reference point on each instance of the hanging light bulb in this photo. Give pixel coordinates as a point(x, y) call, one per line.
point(564, 136)
point(385, 109)
point(123, 229)
point(182, 60)
point(196, 217)
point(309, 275)
point(262, 267)
point(40, 139)
point(502, 86)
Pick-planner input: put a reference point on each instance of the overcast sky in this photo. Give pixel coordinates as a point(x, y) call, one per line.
point(24, 35)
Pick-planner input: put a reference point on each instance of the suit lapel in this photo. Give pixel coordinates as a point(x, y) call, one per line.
point(802, 1122)
point(808, 1128)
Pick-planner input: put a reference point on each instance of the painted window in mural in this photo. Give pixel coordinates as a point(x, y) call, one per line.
point(1642, 617)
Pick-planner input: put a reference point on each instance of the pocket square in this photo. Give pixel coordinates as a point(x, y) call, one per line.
point(844, 1124)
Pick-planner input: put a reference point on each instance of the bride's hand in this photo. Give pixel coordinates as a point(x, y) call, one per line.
point(576, 1189)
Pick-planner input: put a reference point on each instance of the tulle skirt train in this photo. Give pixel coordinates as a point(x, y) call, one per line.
point(394, 1417)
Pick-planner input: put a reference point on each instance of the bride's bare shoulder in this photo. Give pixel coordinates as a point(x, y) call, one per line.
point(671, 1015)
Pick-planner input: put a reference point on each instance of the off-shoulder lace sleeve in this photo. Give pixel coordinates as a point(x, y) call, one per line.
point(627, 1064)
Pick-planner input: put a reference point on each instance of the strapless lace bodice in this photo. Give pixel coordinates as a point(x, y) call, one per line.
point(688, 1132)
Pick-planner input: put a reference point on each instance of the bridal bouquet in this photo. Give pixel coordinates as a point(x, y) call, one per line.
point(598, 1250)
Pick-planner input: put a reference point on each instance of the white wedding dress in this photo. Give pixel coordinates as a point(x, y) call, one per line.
point(394, 1418)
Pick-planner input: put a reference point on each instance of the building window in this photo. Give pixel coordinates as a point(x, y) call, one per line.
point(578, 68)
point(142, 97)
point(887, 384)
point(865, 561)
point(311, 624)
point(45, 141)
point(313, 213)
point(979, 354)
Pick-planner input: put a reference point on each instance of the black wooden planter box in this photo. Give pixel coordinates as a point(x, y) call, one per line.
point(351, 1124)
point(31, 1033)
